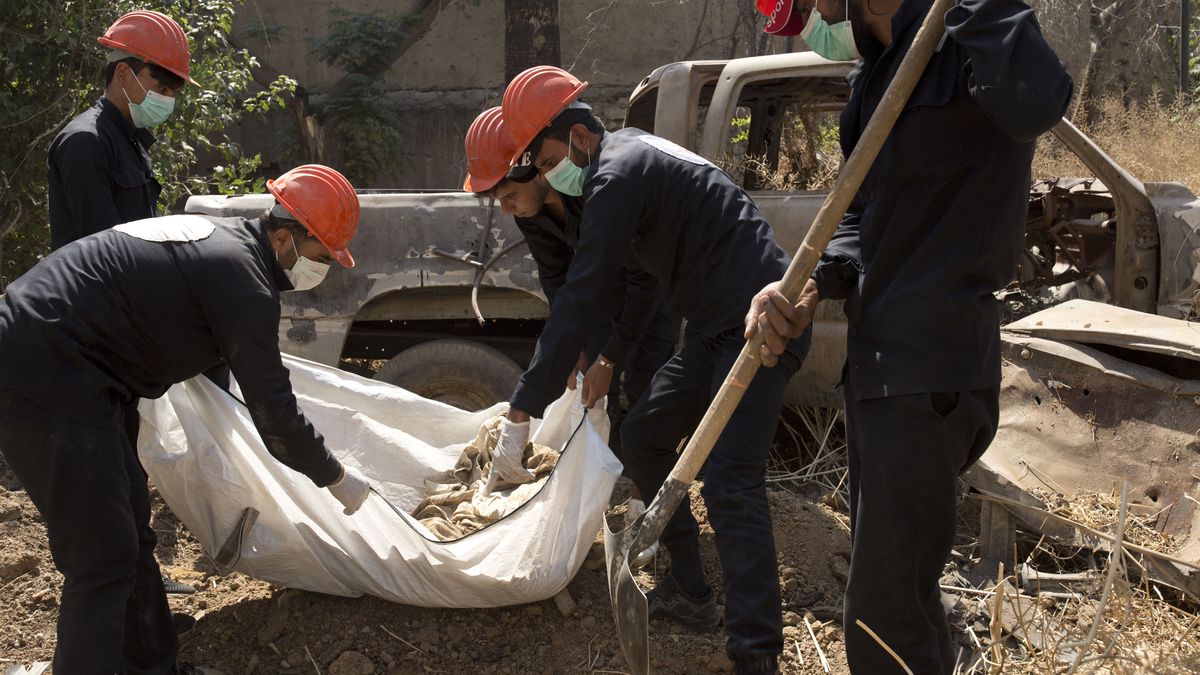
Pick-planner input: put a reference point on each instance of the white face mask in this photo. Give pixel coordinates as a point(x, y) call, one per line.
point(306, 273)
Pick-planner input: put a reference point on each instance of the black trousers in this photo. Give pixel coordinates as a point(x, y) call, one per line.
point(633, 379)
point(735, 482)
point(90, 489)
point(906, 453)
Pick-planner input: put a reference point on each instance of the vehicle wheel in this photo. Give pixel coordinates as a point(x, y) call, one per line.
point(467, 375)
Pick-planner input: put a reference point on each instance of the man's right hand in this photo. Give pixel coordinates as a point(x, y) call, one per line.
point(509, 455)
point(581, 366)
point(778, 319)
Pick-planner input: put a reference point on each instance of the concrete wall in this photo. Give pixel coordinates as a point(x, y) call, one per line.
point(454, 66)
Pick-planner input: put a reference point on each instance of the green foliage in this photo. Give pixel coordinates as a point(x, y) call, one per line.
point(355, 111)
point(361, 43)
point(51, 69)
point(741, 129)
point(827, 137)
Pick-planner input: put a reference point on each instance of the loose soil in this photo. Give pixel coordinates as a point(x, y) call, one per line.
point(249, 626)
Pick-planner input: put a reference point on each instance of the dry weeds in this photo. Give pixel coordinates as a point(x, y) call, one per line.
point(1138, 632)
point(1099, 512)
point(1141, 627)
point(1156, 141)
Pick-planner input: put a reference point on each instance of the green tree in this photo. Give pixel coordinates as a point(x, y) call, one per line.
point(51, 69)
point(354, 111)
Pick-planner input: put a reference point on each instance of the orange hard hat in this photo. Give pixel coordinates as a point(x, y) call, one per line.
point(490, 149)
point(534, 98)
point(325, 204)
point(153, 37)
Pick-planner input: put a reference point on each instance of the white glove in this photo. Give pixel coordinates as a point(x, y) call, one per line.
point(351, 490)
point(508, 457)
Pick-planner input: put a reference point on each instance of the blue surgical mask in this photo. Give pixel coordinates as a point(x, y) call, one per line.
point(835, 42)
point(152, 111)
point(566, 176)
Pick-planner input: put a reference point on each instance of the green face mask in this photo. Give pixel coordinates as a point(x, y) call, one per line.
point(152, 111)
point(566, 176)
point(835, 42)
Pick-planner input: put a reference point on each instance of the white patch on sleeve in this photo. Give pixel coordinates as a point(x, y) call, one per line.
point(169, 228)
point(676, 151)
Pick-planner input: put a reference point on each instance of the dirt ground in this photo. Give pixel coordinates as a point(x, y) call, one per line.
point(249, 626)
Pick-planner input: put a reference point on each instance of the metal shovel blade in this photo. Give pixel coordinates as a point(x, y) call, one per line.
point(630, 612)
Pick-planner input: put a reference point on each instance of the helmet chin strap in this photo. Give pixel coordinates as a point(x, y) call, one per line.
point(296, 251)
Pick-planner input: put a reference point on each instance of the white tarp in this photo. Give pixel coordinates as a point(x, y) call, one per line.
point(205, 457)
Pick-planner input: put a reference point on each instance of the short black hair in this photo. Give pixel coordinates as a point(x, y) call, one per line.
point(274, 223)
point(164, 76)
point(560, 129)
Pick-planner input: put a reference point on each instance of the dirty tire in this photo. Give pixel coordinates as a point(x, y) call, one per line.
point(467, 375)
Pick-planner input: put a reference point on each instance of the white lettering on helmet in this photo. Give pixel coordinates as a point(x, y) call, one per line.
point(775, 12)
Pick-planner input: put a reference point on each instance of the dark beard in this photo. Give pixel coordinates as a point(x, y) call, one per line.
point(868, 45)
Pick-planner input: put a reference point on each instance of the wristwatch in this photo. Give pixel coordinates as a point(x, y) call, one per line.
point(604, 363)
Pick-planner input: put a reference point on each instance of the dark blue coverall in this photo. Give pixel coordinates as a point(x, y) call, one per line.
point(105, 319)
point(552, 245)
point(704, 240)
point(99, 175)
point(934, 232)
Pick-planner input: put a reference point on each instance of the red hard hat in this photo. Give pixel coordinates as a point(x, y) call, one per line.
point(153, 37)
point(782, 17)
point(324, 202)
point(534, 98)
point(490, 149)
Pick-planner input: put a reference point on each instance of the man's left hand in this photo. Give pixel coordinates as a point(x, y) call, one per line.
point(351, 489)
point(597, 381)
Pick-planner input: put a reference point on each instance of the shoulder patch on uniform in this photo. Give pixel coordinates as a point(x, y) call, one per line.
point(676, 151)
point(169, 228)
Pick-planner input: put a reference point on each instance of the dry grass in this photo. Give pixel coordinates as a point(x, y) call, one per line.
point(809, 154)
point(810, 450)
point(1155, 141)
point(1140, 628)
point(1099, 512)
point(1138, 632)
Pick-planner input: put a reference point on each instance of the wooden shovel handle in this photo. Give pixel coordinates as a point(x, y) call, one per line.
point(848, 181)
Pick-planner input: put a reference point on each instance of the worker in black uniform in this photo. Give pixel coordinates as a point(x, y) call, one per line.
point(98, 169)
point(702, 237)
point(126, 313)
point(935, 230)
point(550, 221)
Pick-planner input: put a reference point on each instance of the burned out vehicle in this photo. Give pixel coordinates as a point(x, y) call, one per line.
point(447, 300)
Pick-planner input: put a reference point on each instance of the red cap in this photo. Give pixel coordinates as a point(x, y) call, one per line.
point(783, 18)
